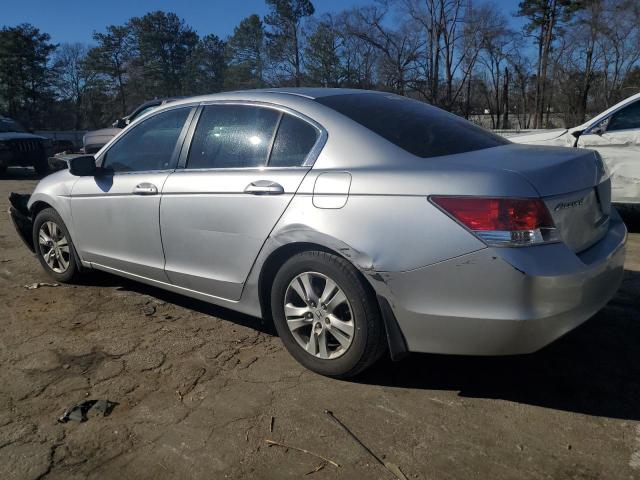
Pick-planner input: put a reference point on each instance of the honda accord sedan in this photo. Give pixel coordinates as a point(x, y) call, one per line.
point(358, 222)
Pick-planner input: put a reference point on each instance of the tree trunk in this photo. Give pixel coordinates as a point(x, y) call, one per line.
point(123, 100)
point(296, 57)
point(505, 99)
point(546, 49)
point(586, 85)
point(467, 102)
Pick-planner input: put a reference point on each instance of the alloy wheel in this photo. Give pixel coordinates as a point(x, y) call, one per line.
point(318, 315)
point(54, 247)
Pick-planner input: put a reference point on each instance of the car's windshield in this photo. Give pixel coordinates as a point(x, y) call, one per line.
point(414, 126)
point(9, 125)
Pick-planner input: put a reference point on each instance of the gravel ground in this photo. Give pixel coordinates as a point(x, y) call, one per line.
point(199, 389)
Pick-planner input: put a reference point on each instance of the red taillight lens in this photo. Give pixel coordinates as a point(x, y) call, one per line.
point(507, 214)
point(502, 221)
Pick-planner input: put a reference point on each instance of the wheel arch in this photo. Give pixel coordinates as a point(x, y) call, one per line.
point(42, 203)
point(272, 264)
point(395, 338)
point(38, 206)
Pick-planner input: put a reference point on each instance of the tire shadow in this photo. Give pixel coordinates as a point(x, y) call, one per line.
point(103, 279)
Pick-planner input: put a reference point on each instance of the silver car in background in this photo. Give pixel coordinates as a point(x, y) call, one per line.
point(357, 221)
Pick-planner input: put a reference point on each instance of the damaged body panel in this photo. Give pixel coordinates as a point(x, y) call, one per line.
point(615, 135)
point(21, 218)
point(471, 245)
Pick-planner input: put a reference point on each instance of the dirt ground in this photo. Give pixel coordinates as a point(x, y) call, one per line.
point(197, 388)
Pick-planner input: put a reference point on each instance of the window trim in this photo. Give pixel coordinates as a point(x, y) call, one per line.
point(308, 163)
point(175, 155)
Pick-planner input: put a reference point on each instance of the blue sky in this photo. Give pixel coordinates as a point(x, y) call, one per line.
point(75, 20)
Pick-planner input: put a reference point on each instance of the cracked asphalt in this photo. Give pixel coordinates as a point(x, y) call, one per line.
point(197, 388)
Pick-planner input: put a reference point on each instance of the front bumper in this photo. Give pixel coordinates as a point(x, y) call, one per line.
point(21, 218)
point(503, 301)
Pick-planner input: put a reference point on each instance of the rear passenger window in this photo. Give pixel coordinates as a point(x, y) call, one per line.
point(294, 141)
point(232, 136)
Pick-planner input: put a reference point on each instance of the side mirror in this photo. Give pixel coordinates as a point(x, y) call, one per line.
point(121, 123)
point(576, 133)
point(84, 166)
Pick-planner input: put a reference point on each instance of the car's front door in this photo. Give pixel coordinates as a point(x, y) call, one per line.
point(244, 165)
point(116, 215)
point(617, 139)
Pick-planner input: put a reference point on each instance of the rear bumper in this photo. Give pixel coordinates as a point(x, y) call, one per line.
point(502, 301)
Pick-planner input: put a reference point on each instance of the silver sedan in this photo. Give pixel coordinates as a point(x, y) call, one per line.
point(358, 222)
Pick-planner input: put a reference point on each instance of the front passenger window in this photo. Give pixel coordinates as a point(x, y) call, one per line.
point(149, 145)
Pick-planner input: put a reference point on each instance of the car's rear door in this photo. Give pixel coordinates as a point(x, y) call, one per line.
point(116, 216)
point(618, 142)
point(244, 164)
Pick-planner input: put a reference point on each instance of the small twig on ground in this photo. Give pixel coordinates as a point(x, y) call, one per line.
point(278, 444)
point(317, 469)
point(394, 469)
point(271, 424)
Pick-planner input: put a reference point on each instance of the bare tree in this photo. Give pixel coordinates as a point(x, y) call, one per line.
point(73, 77)
point(620, 46)
point(398, 48)
point(284, 36)
point(545, 16)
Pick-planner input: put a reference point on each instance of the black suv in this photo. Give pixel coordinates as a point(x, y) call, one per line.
point(19, 147)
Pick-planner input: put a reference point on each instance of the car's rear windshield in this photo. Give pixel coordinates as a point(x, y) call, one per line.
point(414, 126)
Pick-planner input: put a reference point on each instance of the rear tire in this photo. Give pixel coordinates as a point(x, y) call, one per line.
point(336, 330)
point(54, 247)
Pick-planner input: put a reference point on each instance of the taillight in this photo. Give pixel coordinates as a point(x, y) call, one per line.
point(502, 221)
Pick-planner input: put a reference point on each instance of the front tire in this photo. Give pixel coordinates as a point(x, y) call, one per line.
point(54, 247)
point(326, 316)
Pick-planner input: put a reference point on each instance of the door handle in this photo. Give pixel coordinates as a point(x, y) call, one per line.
point(145, 188)
point(264, 187)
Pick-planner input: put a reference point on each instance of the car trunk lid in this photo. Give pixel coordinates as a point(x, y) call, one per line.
point(582, 218)
point(572, 182)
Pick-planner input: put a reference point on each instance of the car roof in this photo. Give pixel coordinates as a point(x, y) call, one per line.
point(309, 92)
point(267, 94)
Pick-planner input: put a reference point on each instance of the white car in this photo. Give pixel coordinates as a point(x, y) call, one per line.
point(615, 134)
